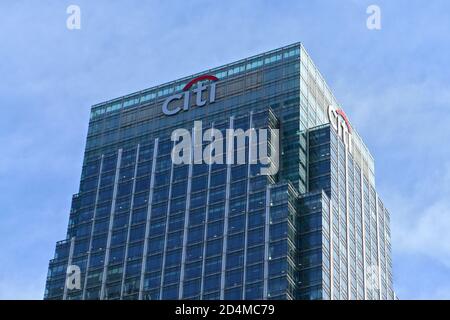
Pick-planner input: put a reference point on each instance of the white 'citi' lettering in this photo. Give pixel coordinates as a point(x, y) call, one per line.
point(339, 122)
point(186, 96)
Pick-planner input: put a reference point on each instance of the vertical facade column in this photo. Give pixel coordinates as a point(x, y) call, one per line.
point(386, 254)
point(363, 235)
point(111, 220)
point(94, 217)
point(339, 222)
point(247, 205)
point(355, 231)
point(378, 248)
point(307, 160)
point(331, 252)
point(347, 225)
point(227, 207)
point(386, 276)
point(186, 218)
point(69, 263)
point(202, 285)
point(129, 223)
point(266, 245)
point(166, 232)
point(147, 223)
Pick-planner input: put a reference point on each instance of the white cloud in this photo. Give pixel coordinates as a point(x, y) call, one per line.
point(421, 219)
point(23, 288)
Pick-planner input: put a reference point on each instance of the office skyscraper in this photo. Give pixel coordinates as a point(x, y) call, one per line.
point(144, 227)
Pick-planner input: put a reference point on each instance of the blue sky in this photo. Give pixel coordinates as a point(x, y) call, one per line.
point(392, 83)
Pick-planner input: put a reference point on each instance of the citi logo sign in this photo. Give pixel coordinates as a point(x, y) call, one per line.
point(340, 123)
point(174, 104)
